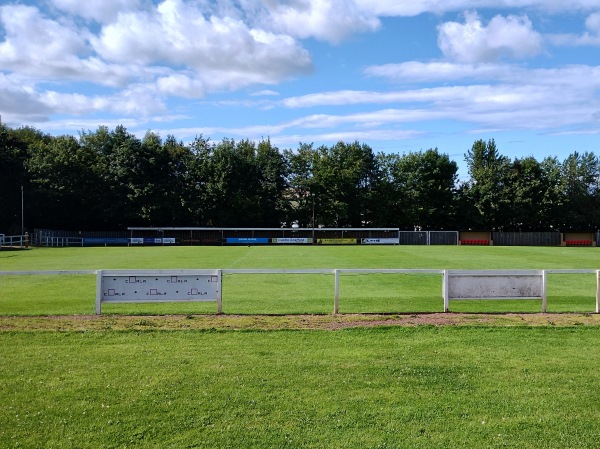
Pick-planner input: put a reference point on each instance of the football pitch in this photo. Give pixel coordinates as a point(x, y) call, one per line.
point(295, 294)
point(126, 379)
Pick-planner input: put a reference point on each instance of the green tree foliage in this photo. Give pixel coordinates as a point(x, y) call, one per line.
point(425, 184)
point(579, 191)
point(488, 170)
point(13, 155)
point(110, 179)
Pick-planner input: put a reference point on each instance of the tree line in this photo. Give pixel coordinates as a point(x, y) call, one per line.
point(111, 179)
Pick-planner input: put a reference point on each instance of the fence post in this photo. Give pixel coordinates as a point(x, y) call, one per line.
point(445, 291)
point(598, 291)
point(99, 292)
point(220, 295)
point(543, 291)
point(336, 295)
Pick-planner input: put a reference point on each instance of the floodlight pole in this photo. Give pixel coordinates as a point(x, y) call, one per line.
point(22, 216)
point(313, 218)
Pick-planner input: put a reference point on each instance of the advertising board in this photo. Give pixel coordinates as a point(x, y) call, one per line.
point(117, 286)
point(292, 240)
point(246, 240)
point(336, 241)
point(386, 241)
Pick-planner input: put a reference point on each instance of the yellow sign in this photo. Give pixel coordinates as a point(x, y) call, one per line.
point(336, 241)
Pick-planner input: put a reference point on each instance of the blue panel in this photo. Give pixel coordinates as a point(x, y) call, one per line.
point(105, 241)
point(247, 240)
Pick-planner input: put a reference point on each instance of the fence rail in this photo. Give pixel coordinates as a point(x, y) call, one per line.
point(14, 241)
point(502, 280)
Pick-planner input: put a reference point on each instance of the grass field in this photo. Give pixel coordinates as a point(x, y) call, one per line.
point(191, 382)
point(312, 294)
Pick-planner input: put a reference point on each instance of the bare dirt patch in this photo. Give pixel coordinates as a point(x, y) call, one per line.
point(86, 323)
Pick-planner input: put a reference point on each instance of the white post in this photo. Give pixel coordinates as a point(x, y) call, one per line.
point(598, 291)
point(336, 295)
point(445, 291)
point(543, 291)
point(220, 294)
point(99, 292)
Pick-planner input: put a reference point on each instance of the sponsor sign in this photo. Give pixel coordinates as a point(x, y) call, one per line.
point(136, 240)
point(157, 286)
point(152, 241)
point(105, 241)
point(168, 240)
point(247, 240)
point(336, 241)
point(385, 241)
point(292, 240)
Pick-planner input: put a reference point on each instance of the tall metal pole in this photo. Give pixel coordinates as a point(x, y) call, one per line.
point(22, 215)
point(313, 218)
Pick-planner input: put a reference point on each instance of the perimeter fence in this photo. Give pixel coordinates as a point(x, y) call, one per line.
point(185, 236)
point(298, 291)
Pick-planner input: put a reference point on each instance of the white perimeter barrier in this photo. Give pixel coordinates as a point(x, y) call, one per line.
point(119, 286)
point(514, 284)
point(114, 286)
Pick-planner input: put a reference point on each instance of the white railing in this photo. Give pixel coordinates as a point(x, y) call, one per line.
point(61, 241)
point(456, 284)
point(14, 241)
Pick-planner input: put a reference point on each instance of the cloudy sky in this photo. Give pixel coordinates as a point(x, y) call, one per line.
point(398, 75)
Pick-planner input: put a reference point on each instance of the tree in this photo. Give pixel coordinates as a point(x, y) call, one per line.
point(426, 184)
point(523, 196)
point(272, 177)
point(64, 177)
point(13, 154)
point(580, 192)
point(302, 188)
point(343, 180)
point(487, 169)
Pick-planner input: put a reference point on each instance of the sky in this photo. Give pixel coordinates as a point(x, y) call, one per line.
point(398, 75)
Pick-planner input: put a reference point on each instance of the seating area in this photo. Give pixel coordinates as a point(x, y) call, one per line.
point(578, 242)
point(474, 242)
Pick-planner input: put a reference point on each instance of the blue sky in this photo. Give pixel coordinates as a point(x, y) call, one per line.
point(397, 75)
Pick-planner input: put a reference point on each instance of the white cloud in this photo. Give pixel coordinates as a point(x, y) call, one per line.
point(416, 7)
point(503, 37)
point(590, 37)
point(438, 71)
point(49, 49)
point(265, 93)
point(99, 10)
point(223, 52)
point(571, 78)
point(505, 96)
point(18, 99)
point(329, 20)
point(31, 39)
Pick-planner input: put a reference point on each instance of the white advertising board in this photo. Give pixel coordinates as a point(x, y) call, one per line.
point(157, 286)
point(516, 284)
point(292, 240)
point(386, 241)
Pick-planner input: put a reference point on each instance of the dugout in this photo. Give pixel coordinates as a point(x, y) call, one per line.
point(224, 236)
point(579, 239)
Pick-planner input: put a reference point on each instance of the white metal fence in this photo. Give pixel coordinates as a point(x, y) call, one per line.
point(456, 284)
point(14, 241)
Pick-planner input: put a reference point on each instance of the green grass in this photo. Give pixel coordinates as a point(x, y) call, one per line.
point(458, 257)
point(421, 387)
point(119, 382)
point(277, 294)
